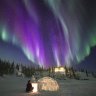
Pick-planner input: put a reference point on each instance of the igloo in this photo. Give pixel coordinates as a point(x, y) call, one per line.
point(48, 84)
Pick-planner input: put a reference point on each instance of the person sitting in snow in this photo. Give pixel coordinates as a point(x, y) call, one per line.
point(29, 87)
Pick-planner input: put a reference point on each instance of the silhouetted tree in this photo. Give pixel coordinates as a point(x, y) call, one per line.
point(66, 71)
point(12, 68)
point(86, 73)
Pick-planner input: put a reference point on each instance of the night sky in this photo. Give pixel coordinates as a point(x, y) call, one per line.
point(47, 32)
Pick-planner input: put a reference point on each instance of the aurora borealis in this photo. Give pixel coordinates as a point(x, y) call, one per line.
point(49, 32)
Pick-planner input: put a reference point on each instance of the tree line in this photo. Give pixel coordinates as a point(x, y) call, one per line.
point(7, 68)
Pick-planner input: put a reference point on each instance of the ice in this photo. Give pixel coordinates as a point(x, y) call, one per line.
point(15, 86)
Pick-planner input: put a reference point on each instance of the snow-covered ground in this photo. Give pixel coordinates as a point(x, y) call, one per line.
point(15, 86)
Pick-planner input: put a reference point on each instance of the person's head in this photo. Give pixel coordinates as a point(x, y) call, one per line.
point(29, 81)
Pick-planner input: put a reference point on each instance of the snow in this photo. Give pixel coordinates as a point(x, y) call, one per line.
point(15, 86)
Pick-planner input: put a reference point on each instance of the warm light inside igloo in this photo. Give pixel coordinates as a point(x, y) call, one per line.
point(35, 86)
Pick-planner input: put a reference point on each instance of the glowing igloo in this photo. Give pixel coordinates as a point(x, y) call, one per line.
point(48, 84)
